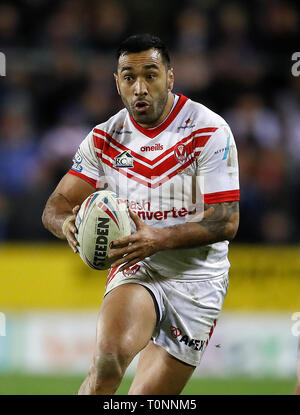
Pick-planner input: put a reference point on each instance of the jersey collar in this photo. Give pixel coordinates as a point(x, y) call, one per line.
point(153, 132)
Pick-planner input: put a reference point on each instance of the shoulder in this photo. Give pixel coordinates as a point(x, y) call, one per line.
point(113, 123)
point(204, 116)
point(213, 129)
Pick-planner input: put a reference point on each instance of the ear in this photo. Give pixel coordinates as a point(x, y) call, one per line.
point(117, 82)
point(170, 79)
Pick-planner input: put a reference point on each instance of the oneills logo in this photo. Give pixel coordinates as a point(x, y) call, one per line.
point(156, 147)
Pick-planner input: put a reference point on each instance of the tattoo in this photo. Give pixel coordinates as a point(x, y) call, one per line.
point(223, 222)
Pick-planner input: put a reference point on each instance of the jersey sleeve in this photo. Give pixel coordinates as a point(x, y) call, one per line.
point(217, 168)
point(86, 164)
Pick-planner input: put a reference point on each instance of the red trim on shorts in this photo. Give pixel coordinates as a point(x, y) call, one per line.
point(87, 179)
point(227, 196)
point(211, 331)
point(112, 273)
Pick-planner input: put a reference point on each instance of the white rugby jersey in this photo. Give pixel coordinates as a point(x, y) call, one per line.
point(166, 174)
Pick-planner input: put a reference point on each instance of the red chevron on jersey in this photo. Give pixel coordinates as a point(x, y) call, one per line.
point(146, 176)
point(160, 165)
point(169, 166)
point(152, 183)
point(103, 141)
point(139, 168)
point(150, 179)
point(126, 173)
point(101, 144)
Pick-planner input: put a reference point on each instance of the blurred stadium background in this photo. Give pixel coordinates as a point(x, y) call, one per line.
point(234, 57)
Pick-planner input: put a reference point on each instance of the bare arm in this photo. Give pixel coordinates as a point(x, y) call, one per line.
point(220, 223)
point(64, 202)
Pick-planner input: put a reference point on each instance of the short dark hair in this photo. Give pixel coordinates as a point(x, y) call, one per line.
point(141, 42)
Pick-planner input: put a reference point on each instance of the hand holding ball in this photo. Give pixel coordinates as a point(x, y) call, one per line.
point(102, 218)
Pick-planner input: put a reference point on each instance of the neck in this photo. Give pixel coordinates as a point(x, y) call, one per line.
point(166, 112)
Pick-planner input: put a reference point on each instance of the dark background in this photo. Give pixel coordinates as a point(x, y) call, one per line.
point(234, 57)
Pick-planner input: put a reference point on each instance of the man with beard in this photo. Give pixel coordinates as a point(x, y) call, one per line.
point(166, 287)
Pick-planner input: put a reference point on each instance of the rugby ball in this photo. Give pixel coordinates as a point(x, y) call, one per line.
point(101, 219)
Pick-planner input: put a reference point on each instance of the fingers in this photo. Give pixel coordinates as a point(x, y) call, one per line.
point(70, 235)
point(136, 219)
point(75, 209)
point(126, 250)
point(134, 256)
point(72, 230)
point(129, 264)
point(123, 241)
point(133, 237)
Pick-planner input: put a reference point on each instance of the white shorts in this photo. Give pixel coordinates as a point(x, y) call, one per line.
point(187, 312)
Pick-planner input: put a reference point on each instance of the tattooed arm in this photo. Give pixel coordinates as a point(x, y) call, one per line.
point(220, 223)
point(223, 222)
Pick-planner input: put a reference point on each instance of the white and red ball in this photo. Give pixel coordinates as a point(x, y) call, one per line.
point(102, 218)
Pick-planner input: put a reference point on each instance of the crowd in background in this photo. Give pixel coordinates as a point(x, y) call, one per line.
point(234, 57)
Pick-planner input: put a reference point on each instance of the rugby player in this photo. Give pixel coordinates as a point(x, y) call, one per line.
point(164, 296)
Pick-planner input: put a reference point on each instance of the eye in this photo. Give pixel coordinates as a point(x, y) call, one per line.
point(128, 78)
point(150, 76)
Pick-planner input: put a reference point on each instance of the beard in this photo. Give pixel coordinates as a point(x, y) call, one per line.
point(152, 114)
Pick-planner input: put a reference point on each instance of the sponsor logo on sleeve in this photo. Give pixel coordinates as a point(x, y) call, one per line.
point(121, 130)
point(77, 160)
point(187, 124)
point(226, 149)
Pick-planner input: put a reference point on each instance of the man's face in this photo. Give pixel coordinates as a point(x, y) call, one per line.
point(144, 82)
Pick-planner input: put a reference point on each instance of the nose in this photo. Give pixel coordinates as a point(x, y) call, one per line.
point(140, 88)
